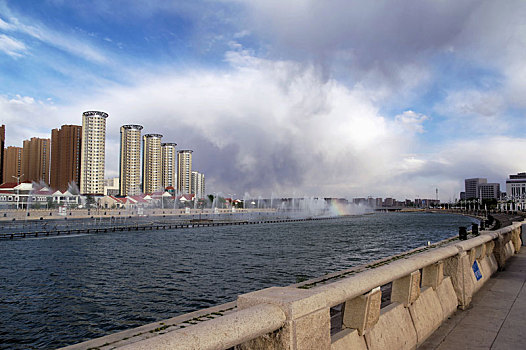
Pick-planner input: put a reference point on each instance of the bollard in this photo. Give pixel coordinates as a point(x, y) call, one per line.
point(462, 233)
point(475, 229)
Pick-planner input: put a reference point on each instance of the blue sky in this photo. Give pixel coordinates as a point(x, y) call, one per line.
point(347, 98)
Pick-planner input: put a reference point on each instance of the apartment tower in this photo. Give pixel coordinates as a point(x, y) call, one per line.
point(184, 171)
point(12, 164)
point(152, 163)
point(35, 160)
point(198, 184)
point(2, 147)
point(471, 185)
point(65, 157)
point(130, 160)
point(169, 164)
point(93, 152)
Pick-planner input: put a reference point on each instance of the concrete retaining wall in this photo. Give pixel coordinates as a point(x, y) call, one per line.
point(426, 289)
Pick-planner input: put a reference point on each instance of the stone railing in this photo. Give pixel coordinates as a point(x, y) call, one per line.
point(425, 289)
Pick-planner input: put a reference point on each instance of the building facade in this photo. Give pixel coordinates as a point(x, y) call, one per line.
point(93, 147)
point(65, 157)
point(198, 184)
point(35, 160)
point(184, 171)
point(169, 165)
point(111, 186)
point(516, 187)
point(488, 191)
point(152, 163)
point(2, 153)
point(12, 164)
point(471, 186)
point(130, 160)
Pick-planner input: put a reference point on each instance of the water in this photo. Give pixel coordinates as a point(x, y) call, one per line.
point(60, 291)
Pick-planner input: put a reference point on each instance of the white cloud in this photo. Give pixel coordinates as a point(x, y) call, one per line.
point(412, 121)
point(70, 44)
point(11, 46)
point(26, 117)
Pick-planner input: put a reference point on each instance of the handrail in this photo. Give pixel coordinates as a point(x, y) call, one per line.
point(220, 333)
point(353, 286)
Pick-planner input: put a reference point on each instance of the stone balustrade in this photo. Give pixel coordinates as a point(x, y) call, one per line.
point(426, 288)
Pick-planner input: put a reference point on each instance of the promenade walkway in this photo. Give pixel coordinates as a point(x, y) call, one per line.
point(496, 318)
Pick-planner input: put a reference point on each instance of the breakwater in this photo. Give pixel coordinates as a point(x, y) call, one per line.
point(425, 288)
point(84, 226)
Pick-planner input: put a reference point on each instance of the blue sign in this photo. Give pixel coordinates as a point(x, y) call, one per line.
point(476, 270)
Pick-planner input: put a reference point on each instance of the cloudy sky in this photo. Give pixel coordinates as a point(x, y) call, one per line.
point(300, 97)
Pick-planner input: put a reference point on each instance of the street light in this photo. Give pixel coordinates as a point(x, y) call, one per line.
point(17, 190)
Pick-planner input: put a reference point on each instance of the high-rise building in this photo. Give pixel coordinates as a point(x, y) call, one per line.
point(65, 157)
point(151, 163)
point(2, 147)
point(488, 191)
point(12, 164)
point(93, 152)
point(184, 171)
point(198, 184)
point(130, 160)
point(471, 186)
point(169, 165)
point(35, 160)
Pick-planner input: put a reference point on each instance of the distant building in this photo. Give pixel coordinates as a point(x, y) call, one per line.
point(12, 164)
point(359, 201)
point(198, 184)
point(130, 160)
point(516, 186)
point(35, 160)
point(378, 202)
point(184, 171)
point(488, 191)
point(169, 165)
point(151, 163)
point(389, 202)
point(66, 143)
point(471, 186)
point(462, 196)
point(111, 186)
point(426, 203)
point(93, 150)
point(2, 155)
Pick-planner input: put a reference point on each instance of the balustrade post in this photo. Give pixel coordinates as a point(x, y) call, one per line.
point(458, 267)
point(432, 275)
point(500, 249)
point(363, 312)
point(406, 289)
point(516, 238)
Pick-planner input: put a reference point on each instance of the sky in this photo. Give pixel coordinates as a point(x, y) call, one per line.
point(338, 98)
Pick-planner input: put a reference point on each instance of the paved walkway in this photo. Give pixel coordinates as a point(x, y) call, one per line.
point(497, 318)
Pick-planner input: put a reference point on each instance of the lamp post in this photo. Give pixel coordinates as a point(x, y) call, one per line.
point(17, 190)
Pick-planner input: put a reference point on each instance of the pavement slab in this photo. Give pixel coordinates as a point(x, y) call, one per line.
point(496, 318)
